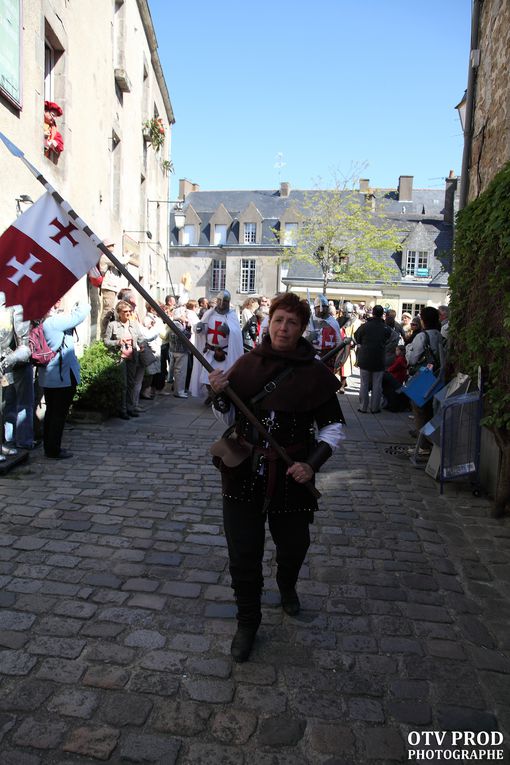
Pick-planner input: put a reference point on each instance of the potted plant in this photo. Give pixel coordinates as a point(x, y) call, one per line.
point(154, 132)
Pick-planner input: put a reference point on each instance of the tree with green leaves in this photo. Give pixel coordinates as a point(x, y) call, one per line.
point(343, 235)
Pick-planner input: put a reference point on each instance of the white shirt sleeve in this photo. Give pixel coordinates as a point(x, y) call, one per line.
point(332, 434)
point(226, 418)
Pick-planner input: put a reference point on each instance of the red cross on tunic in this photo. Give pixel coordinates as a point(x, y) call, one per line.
point(215, 332)
point(328, 337)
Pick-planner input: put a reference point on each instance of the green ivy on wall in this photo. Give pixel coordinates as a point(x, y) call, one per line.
point(480, 302)
point(480, 311)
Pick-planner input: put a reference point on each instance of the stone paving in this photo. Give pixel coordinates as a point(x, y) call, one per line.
point(116, 613)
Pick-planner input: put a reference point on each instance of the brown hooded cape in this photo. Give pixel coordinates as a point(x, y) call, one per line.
point(309, 385)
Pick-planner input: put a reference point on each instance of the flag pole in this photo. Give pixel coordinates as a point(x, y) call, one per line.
point(232, 395)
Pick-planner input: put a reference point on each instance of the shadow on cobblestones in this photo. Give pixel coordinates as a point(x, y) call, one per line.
point(116, 611)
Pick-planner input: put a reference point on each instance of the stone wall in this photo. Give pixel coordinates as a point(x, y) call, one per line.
point(491, 133)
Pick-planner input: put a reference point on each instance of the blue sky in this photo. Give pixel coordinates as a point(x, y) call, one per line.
point(327, 84)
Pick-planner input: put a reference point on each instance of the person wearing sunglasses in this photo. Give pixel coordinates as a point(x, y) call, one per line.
point(124, 335)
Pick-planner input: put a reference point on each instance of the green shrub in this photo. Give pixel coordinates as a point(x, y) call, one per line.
point(101, 381)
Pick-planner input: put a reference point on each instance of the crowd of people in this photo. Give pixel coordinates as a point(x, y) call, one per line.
point(389, 352)
point(155, 360)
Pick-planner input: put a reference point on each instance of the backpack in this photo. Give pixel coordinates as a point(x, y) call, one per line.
point(40, 352)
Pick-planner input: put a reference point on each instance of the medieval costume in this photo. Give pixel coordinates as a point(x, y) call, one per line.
point(219, 338)
point(291, 393)
point(53, 141)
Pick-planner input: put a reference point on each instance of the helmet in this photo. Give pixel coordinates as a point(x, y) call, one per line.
point(223, 301)
point(321, 301)
point(321, 306)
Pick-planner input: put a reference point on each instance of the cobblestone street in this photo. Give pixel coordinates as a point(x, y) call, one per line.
point(117, 614)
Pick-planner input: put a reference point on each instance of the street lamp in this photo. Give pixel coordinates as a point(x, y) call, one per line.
point(137, 231)
point(179, 221)
point(178, 211)
point(461, 108)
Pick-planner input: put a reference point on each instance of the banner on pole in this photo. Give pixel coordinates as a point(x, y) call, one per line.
point(42, 254)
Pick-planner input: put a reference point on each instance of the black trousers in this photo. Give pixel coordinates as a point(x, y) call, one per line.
point(245, 531)
point(58, 402)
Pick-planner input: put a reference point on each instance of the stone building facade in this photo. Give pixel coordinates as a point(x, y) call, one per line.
point(490, 143)
point(99, 62)
point(239, 239)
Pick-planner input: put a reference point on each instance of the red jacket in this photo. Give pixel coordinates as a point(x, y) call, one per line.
point(399, 369)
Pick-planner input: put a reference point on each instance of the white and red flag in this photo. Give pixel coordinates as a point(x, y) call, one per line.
point(42, 254)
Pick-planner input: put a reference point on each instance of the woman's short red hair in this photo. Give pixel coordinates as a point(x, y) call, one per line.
point(289, 301)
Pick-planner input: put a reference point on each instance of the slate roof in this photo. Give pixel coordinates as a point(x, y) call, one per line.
point(427, 207)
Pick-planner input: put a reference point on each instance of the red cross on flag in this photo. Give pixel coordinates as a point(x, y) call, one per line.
point(42, 254)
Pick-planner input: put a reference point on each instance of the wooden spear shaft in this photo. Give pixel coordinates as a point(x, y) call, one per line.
point(232, 395)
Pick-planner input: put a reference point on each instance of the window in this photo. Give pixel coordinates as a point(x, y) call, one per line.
point(189, 234)
point(289, 235)
point(219, 271)
point(250, 233)
point(417, 263)
point(10, 59)
point(220, 233)
point(413, 308)
point(247, 275)
point(49, 65)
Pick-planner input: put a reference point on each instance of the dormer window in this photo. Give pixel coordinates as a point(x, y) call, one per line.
point(220, 234)
point(290, 234)
point(250, 233)
point(219, 223)
point(189, 236)
point(417, 263)
point(250, 225)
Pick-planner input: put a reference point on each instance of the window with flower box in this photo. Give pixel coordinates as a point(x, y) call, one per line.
point(417, 263)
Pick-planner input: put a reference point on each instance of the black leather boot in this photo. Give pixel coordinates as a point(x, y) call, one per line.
point(290, 601)
point(249, 617)
point(243, 643)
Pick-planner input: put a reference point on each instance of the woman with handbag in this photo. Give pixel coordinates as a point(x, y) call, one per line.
point(293, 394)
point(125, 335)
point(427, 348)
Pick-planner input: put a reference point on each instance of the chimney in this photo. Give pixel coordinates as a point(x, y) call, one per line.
point(186, 187)
point(405, 188)
point(284, 189)
point(364, 184)
point(451, 198)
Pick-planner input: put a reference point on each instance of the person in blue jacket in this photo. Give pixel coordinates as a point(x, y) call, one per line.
point(60, 377)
